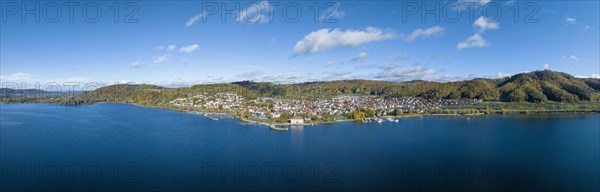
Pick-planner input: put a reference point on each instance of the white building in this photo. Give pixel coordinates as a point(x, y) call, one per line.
point(296, 120)
point(275, 115)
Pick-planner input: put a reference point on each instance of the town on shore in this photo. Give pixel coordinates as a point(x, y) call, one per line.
point(276, 111)
point(345, 100)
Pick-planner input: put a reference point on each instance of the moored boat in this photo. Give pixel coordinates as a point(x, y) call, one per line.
point(274, 127)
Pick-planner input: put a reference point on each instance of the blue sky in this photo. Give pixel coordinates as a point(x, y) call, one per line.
point(186, 42)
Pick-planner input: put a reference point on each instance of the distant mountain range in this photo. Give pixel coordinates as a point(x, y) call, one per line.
point(538, 86)
point(9, 92)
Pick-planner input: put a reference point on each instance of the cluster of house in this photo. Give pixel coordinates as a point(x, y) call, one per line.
point(218, 101)
point(267, 107)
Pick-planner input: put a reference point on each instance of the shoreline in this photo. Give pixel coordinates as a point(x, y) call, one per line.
point(508, 112)
point(270, 125)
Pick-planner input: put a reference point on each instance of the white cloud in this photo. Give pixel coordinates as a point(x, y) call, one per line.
point(326, 39)
point(17, 77)
point(329, 63)
point(593, 76)
point(284, 78)
point(162, 59)
point(189, 48)
point(482, 24)
point(438, 56)
point(125, 81)
point(360, 56)
point(390, 72)
point(195, 18)
point(435, 30)
point(253, 76)
point(337, 76)
point(170, 47)
point(570, 20)
point(179, 82)
point(570, 58)
point(27, 80)
point(546, 66)
point(503, 75)
point(70, 80)
point(136, 64)
point(393, 72)
point(573, 22)
point(255, 12)
point(475, 40)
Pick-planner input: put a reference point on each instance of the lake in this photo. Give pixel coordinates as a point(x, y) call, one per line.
point(108, 147)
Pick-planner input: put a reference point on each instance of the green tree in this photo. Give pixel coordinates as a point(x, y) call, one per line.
point(359, 115)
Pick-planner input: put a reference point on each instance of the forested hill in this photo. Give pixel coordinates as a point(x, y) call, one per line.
point(538, 86)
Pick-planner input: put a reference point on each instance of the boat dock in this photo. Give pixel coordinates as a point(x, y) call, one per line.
point(212, 118)
point(274, 127)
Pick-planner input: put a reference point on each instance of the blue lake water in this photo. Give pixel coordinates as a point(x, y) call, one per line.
point(108, 147)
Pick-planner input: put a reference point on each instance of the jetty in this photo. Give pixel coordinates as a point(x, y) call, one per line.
point(211, 118)
point(274, 127)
